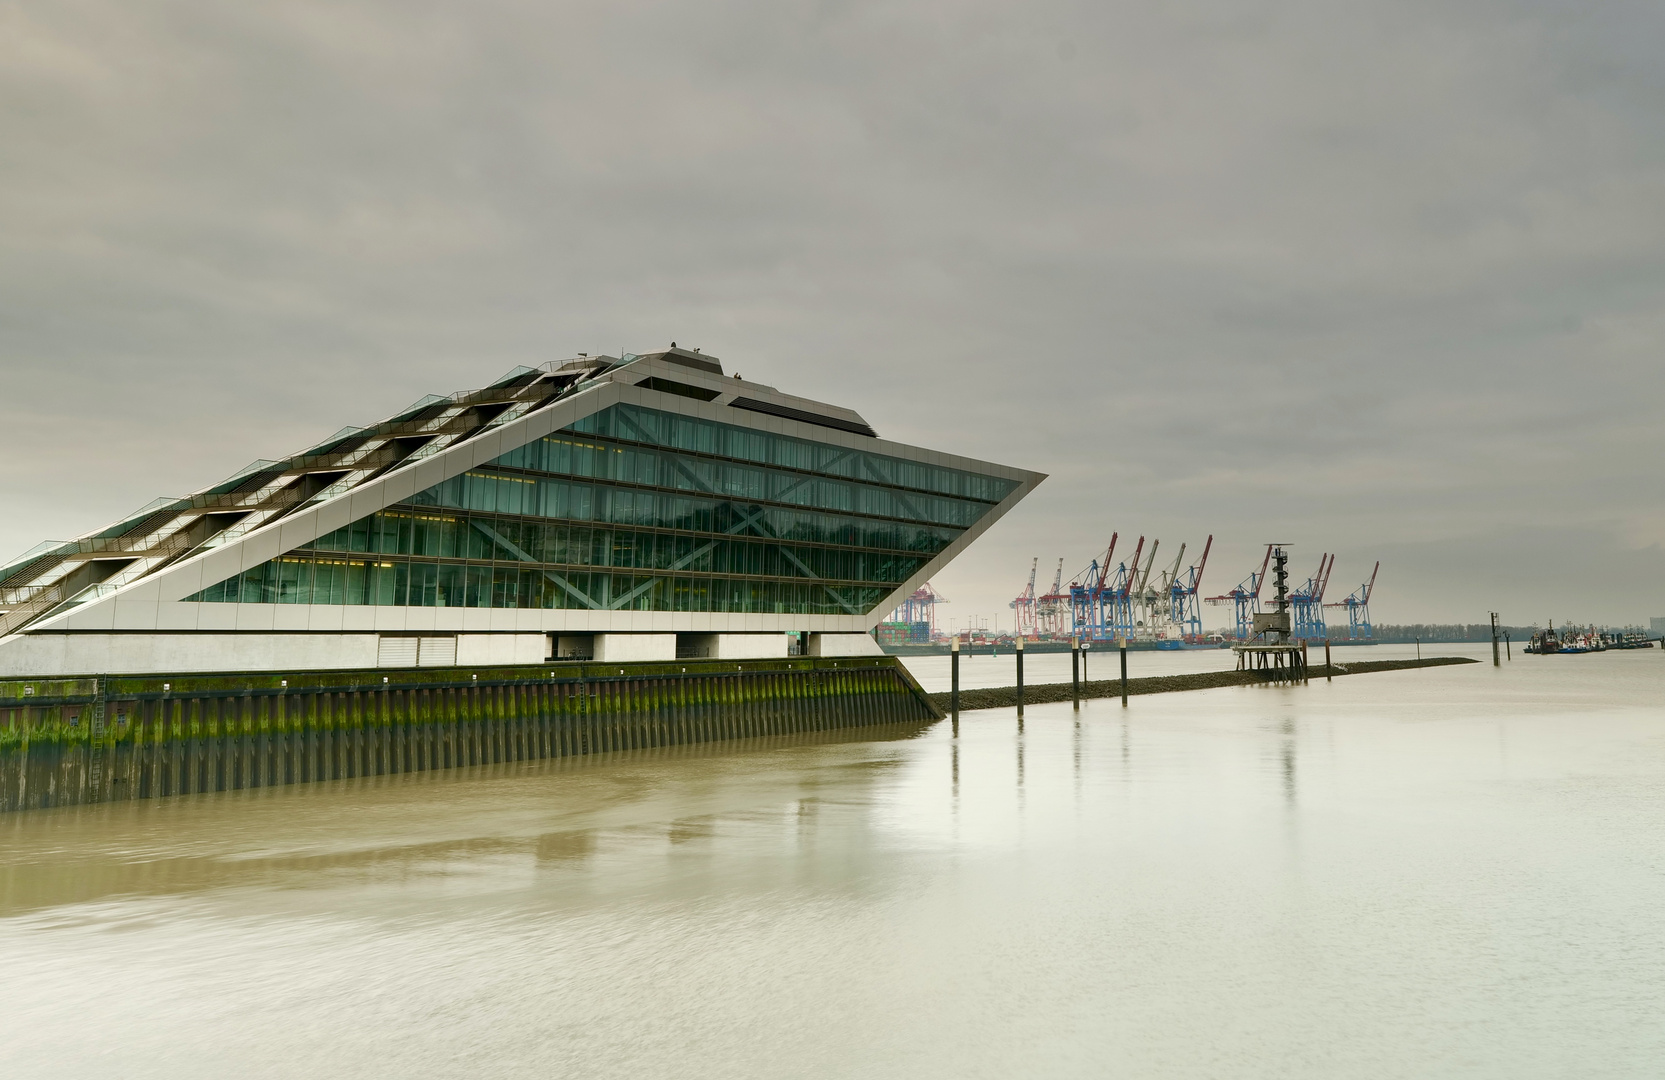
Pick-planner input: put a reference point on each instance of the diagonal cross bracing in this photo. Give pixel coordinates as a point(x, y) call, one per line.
point(507, 545)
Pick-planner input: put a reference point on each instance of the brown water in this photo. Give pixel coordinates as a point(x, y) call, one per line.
point(1449, 872)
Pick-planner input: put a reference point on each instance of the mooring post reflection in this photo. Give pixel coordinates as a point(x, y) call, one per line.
point(954, 771)
point(1287, 756)
point(1019, 748)
point(1075, 756)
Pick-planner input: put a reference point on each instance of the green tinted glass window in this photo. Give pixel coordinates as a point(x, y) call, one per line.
point(638, 510)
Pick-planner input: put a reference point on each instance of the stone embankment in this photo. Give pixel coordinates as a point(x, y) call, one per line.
point(1005, 697)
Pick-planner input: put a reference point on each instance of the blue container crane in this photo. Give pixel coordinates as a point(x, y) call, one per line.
point(919, 612)
point(1306, 603)
point(1087, 599)
point(1245, 599)
point(1182, 595)
point(1358, 608)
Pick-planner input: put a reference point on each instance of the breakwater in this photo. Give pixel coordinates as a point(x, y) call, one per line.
point(96, 739)
point(1005, 697)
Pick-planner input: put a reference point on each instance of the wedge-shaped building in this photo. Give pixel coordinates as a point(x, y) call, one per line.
point(643, 508)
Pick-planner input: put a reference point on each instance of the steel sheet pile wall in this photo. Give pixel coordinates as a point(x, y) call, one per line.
point(69, 741)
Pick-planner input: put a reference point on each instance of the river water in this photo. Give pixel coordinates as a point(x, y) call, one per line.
point(1454, 872)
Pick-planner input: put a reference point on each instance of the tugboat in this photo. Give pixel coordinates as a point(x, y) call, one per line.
point(1586, 640)
point(1544, 642)
point(1626, 639)
point(1582, 640)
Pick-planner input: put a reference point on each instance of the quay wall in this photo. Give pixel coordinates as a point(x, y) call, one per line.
point(97, 738)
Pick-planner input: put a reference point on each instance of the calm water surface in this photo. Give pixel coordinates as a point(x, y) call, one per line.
point(1454, 872)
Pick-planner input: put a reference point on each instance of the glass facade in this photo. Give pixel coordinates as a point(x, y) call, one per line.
point(633, 509)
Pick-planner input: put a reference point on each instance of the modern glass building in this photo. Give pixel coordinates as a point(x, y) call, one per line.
point(637, 508)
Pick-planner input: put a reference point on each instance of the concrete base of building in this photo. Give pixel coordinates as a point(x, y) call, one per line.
point(47, 655)
point(56, 655)
point(629, 648)
point(843, 645)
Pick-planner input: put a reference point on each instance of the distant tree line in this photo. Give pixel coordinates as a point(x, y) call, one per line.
point(1408, 632)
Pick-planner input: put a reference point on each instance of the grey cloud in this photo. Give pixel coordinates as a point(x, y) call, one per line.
point(1377, 278)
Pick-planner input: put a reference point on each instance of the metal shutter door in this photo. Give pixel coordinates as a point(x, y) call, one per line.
point(438, 652)
point(396, 652)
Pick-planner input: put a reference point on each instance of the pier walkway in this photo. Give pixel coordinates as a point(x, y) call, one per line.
point(1005, 697)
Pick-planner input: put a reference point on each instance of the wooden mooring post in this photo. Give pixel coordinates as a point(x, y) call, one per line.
point(954, 680)
point(1019, 649)
point(1075, 671)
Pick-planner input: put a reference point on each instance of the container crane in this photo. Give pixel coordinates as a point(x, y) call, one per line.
point(1358, 608)
point(921, 607)
point(1104, 601)
point(1087, 594)
point(1245, 599)
point(1152, 608)
point(1306, 604)
point(1182, 594)
point(1052, 610)
point(1115, 613)
point(1024, 616)
point(1136, 598)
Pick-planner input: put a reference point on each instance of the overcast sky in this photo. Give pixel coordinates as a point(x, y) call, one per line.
point(1377, 278)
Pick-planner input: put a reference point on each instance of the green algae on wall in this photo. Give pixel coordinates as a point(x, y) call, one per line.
point(70, 741)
